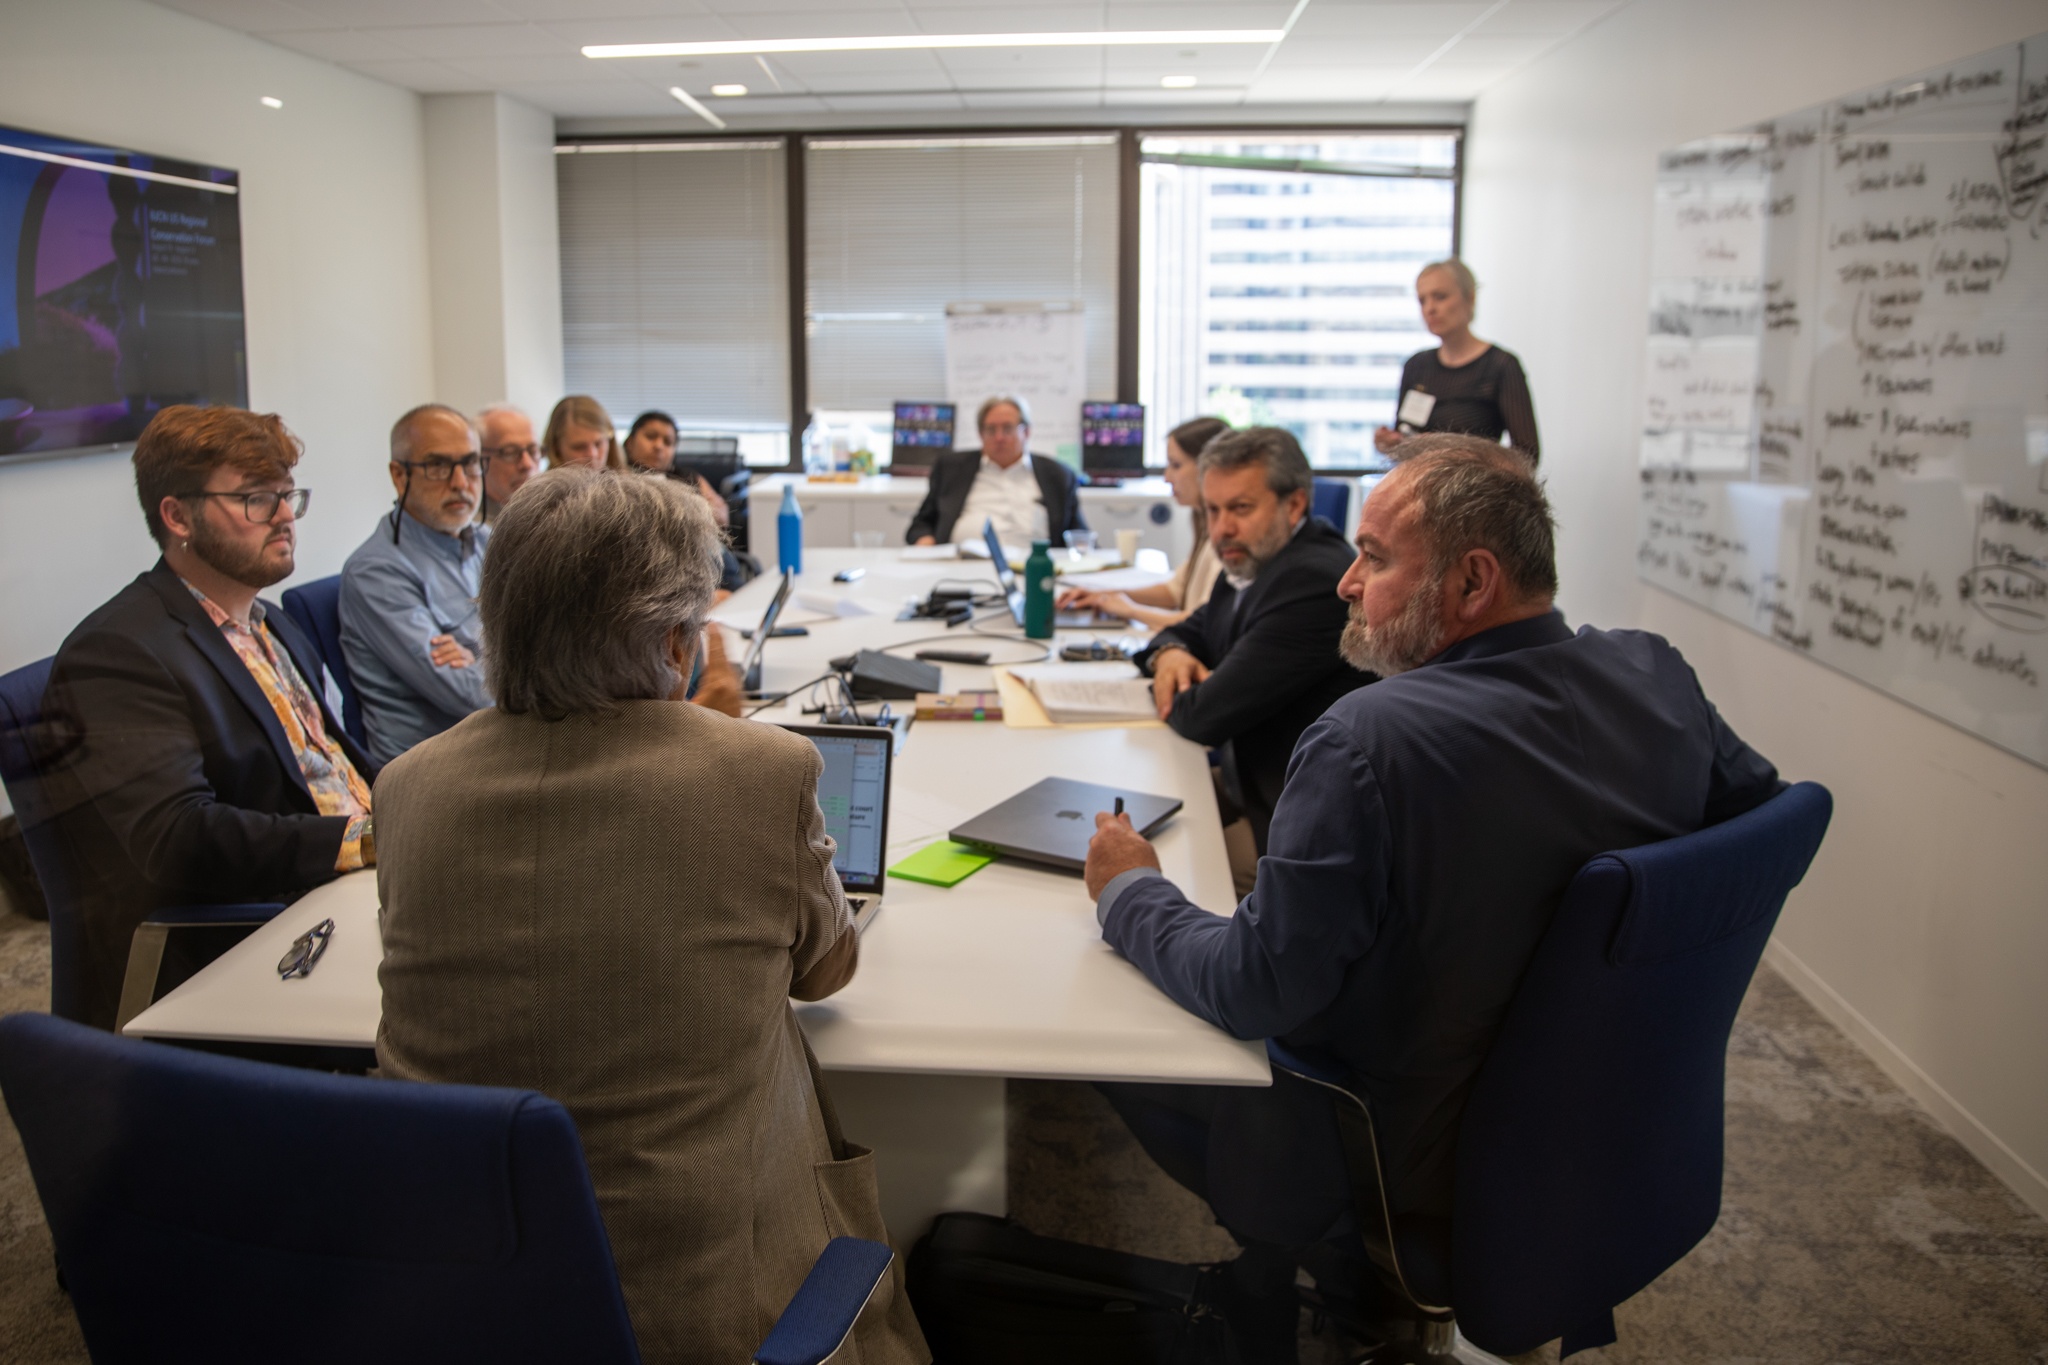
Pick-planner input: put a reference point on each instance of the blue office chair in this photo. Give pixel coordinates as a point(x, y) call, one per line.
point(24, 748)
point(212, 1209)
point(1589, 1154)
point(316, 608)
point(1330, 499)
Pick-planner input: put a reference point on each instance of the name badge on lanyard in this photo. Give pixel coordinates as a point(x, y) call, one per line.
point(1416, 406)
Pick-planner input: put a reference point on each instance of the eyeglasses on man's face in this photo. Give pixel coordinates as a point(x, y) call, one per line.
point(513, 454)
point(441, 468)
point(261, 507)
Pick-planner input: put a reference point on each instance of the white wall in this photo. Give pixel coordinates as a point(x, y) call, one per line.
point(496, 251)
point(1923, 927)
point(334, 246)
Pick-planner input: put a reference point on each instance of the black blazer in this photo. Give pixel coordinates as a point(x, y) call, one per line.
point(1274, 665)
point(167, 778)
point(953, 477)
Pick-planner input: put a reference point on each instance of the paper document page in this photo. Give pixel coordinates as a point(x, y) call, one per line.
point(1076, 692)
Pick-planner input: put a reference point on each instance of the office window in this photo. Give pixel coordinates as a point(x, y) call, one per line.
point(675, 285)
point(897, 228)
point(1277, 276)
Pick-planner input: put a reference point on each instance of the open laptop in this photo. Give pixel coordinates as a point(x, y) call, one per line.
point(1053, 820)
point(853, 791)
point(750, 667)
point(1013, 591)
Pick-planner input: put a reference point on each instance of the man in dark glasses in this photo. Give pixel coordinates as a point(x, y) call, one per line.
point(186, 755)
point(408, 593)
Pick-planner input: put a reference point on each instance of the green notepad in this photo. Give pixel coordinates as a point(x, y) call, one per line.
point(943, 863)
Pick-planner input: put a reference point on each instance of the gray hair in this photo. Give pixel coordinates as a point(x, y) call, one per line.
point(589, 579)
point(989, 404)
point(1457, 443)
point(1470, 504)
point(1460, 273)
point(1275, 448)
point(485, 414)
point(402, 434)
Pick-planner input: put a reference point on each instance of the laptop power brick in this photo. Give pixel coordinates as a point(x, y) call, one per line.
point(875, 676)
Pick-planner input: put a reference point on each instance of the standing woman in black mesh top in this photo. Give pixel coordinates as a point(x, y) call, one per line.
point(1465, 385)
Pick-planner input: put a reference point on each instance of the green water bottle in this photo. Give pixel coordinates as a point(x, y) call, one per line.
point(1038, 591)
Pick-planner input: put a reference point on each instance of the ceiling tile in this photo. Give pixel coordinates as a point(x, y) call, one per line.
point(530, 70)
point(1547, 18)
point(892, 104)
point(1405, 53)
point(1339, 84)
point(564, 11)
point(429, 78)
point(1041, 99)
point(866, 22)
point(681, 28)
point(398, 13)
point(1321, 21)
point(1449, 83)
point(248, 16)
point(821, 68)
point(475, 40)
point(342, 45)
point(1493, 52)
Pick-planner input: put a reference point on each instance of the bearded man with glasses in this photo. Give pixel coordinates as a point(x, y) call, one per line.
point(408, 593)
point(186, 755)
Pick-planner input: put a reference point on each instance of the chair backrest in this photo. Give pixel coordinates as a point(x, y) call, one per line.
point(207, 1208)
point(1589, 1155)
point(1330, 499)
point(316, 608)
point(21, 726)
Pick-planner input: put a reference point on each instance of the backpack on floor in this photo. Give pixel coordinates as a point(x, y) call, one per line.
point(989, 1292)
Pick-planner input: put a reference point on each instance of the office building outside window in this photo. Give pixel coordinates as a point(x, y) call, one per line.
point(1278, 278)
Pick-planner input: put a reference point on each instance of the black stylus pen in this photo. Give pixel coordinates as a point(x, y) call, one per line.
point(1119, 806)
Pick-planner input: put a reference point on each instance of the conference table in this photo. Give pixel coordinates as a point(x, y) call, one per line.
point(1004, 974)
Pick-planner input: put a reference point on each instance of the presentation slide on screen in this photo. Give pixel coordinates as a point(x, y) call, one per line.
point(120, 291)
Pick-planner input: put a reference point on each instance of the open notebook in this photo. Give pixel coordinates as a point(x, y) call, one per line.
point(1075, 693)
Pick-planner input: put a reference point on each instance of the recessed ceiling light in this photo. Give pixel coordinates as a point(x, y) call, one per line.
point(728, 91)
point(1177, 82)
point(899, 42)
point(272, 102)
point(695, 106)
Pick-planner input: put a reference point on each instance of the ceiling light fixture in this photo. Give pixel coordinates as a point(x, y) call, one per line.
point(1177, 82)
point(728, 91)
point(695, 106)
point(913, 41)
point(272, 102)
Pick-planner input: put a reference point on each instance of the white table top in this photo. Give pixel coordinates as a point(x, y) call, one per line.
point(1004, 974)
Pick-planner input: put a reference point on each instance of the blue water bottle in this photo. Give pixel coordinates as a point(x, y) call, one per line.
point(789, 533)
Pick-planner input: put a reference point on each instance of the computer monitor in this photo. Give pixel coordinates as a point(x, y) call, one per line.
point(1113, 438)
point(750, 668)
point(853, 792)
point(922, 432)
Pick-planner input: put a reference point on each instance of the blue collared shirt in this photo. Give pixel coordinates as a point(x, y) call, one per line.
point(1428, 829)
point(394, 599)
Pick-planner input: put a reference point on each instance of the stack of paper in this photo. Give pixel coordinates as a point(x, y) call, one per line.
point(1076, 693)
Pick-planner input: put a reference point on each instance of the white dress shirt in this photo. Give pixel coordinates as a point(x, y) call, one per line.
point(1010, 497)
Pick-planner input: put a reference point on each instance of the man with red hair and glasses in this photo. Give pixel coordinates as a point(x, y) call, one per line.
point(188, 756)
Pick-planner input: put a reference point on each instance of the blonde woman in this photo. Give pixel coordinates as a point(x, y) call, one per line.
point(580, 432)
point(1164, 604)
point(1465, 385)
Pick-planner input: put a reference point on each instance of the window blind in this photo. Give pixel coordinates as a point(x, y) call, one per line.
point(897, 228)
point(675, 280)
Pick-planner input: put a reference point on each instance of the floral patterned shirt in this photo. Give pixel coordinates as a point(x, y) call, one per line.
point(338, 789)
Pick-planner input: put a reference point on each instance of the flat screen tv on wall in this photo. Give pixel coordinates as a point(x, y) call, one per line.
point(120, 292)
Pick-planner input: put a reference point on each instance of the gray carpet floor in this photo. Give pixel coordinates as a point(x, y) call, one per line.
point(1853, 1229)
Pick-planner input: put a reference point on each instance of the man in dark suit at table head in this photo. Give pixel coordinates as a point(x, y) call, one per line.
point(1029, 497)
point(187, 755)
point(1253, 667)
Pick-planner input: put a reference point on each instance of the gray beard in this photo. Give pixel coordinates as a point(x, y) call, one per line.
point(1412, 638)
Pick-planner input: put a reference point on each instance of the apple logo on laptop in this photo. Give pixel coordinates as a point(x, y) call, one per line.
point(1068, 814)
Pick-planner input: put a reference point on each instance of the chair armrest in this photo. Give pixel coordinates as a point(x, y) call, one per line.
point(822, 1310)
point(253, 913)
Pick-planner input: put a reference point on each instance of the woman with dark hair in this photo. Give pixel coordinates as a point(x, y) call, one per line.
point(651, 447)
point(1164, 604)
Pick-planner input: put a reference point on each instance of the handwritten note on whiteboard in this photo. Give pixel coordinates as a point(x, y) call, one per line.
point(1845, 429)
point(1039, 352)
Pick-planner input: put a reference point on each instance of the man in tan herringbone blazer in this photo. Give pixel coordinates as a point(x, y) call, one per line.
point(609, 896)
